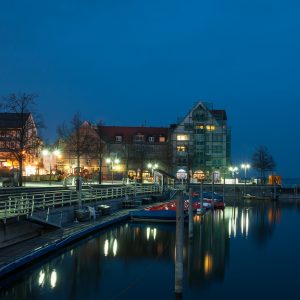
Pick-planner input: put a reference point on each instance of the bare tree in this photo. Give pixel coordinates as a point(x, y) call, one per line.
point(263, 161)
point(22, 141)
point(78, 141)
point(97, 151)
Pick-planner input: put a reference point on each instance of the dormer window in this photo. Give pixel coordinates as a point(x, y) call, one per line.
point(118, 138)
point(139, 138)
point(151, 139)
point(162, 139)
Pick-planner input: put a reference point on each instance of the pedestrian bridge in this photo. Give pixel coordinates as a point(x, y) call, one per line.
point(29, 204)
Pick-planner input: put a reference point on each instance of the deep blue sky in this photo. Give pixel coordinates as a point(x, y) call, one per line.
point(128, 62)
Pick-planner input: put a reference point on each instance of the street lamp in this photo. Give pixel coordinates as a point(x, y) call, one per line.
point(233, 170)
point(152, 167)
point(112, 162)
point(245, 167)
point(51, 155)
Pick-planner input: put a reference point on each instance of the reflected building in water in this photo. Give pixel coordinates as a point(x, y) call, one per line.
point(119, 250)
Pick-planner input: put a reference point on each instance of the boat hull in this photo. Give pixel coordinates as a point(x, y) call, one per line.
point(153, 215)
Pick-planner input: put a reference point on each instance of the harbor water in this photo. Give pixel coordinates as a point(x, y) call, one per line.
point(248, 251)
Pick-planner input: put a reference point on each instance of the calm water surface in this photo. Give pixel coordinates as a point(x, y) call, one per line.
point(251, 251)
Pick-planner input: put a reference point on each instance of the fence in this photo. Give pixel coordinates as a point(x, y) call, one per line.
point(25, 204)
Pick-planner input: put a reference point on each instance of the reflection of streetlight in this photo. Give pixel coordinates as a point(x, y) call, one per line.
point(234, 170)
point(112, 162)
point(152, 167)
point(51, 154)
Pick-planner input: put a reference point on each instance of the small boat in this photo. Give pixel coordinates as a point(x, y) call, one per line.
point(266, 197)
point(165, 212)
point(217, 199)
point(153, 215)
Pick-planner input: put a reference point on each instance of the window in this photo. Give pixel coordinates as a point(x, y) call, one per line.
point(182, 137)
point(12, 145)
point(201, 126)
point(162, 139)
point(139, 138)
point(118, 138)
point(181, 148)
point(151, 139)
point(210, 127)
point(188, 126)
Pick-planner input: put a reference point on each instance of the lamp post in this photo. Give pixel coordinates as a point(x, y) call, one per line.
point(112, 162)
point(245, 167)
point(152, 167)
point(51, 155)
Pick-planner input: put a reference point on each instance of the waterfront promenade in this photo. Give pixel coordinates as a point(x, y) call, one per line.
point(22, 242)
point(25, 242)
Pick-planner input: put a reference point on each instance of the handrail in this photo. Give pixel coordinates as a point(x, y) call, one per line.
point(25, 204)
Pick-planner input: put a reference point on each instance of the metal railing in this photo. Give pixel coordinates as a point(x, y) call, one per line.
point(25, 204)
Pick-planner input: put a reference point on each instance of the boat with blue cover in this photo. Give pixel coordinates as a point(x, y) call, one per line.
point(153, 215)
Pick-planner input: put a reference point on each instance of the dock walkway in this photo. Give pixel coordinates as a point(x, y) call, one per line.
point(22, 252)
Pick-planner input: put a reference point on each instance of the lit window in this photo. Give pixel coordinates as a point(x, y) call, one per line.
point(151, 139)
point(210, 127)
point(118, 138)
point(162, 139)
point(182, 137)
point(181, 148)
point(199, 127)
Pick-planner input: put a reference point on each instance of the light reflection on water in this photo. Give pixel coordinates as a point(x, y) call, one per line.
point(230, 248)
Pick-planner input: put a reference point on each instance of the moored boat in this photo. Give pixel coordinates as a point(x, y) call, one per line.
point(153, 215)
point(215, 198)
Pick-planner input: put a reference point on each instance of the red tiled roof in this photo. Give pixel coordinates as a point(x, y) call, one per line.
point(110, 132)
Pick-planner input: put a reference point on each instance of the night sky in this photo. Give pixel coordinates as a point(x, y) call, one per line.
point(133, 62)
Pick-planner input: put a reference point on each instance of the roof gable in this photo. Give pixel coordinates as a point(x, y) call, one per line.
point(12, 120)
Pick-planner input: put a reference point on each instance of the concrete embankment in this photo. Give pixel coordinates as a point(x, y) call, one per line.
point(23, 242)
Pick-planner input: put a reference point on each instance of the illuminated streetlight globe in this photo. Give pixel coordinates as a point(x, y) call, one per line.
point(233, 169)
point(56, 152)
point(45, 152)
point(245, 166)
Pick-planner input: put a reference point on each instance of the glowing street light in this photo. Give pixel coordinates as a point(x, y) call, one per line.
point(245, 167)
point(152, 167)
point(112, 162)
point(234, 170)
point(51, 155)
